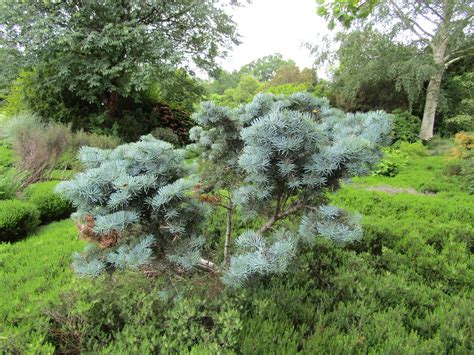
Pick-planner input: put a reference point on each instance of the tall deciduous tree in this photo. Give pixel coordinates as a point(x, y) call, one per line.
point(265, 68)
point(443, 26)
point(102, 51)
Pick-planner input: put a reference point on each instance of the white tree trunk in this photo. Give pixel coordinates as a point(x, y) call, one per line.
point(434, 86)
point(431, 104)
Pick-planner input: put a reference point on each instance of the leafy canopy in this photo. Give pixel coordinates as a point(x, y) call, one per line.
point(101, 51)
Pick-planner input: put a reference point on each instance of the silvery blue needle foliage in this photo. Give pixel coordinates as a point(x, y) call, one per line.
point(139, 192)
point(289, 151)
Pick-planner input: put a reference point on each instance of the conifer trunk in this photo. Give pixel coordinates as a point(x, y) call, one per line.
point(228, 232)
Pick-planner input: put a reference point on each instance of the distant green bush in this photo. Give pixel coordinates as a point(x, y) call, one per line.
point(17, 220)
point(52, 207)
point(406, 127)
point(392, 161)
point(397, 156)
point(166, 134)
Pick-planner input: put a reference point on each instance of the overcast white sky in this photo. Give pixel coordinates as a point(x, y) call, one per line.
point(275, 26)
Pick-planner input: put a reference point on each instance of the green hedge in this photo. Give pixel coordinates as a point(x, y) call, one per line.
point(52, 207)
point(17, 219)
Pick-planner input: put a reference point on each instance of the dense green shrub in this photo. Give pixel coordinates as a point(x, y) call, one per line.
point(392, 161)
point(406, 127)
point(50, 205)
point(17, 220)
point(166, 134)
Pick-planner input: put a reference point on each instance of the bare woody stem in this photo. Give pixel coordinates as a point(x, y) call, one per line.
point(207, 265)
point(228, 232)
point(295, 207)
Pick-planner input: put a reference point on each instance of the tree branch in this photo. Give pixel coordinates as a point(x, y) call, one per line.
point(469, 51)
point(295, 207)
point(410, 23)
point(207, 265)
point(433, 10)
point(454, 60)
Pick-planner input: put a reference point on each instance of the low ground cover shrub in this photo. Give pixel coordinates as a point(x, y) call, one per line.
point(17, 220)
point(33, 273)
point(420, 172)
point(132, 313)
point(51, 206)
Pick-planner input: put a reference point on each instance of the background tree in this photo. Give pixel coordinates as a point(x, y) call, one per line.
point(245, 90)
point(11, 60)
point(102, 53)
point(444, 27)
point(178, 89)
point(291, 74)
point(265, 68)
point(380, 74)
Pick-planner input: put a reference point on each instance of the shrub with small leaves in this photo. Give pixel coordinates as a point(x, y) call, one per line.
point(51, 206)
point(17, 220)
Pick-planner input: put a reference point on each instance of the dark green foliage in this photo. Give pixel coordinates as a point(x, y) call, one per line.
point(177, 89)
point(166, 134)
point(134, 314)
point(135, 119)
point(406, 127)
point(51, 206)
point(91, 60)
point(17, 220)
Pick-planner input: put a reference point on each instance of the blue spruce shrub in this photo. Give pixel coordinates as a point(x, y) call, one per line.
point(289, 151)
point(133, 201)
